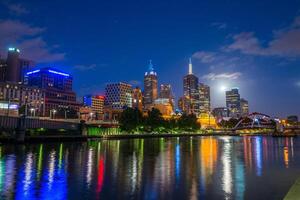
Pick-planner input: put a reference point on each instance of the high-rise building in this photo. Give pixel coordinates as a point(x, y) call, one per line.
point(233, 102)
point(96, 103)
point(13, 71)
point(3, 67)
point(244, 107)
point(137, 98)
point(150, 86)
point(166, 93)
point(204, 93)
point(58, 89)
point(220, 112)
point(191, 92)
point(118, 95)
point(13, 68)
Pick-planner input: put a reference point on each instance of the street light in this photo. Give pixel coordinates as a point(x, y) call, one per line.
point(32, 111)
point(53, 111)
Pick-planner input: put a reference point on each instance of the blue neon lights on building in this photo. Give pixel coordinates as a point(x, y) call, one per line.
point(33, 72)
point(48, 70)
point(59, 73)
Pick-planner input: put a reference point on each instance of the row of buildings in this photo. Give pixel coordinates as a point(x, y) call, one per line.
point(119, 96)
point(36, 92)
point(235, 106)
point(48, 92)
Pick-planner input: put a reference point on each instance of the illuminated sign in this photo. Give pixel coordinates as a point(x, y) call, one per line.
point(59, 73)
point(11, 106)
point(32, 72)
point(14, 49)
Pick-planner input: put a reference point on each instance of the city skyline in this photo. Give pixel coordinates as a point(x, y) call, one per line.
point(227, 52)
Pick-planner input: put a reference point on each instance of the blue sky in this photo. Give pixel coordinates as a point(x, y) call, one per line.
point(253, 45)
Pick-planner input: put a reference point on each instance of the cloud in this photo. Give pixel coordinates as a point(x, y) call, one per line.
point(37, 49)
point(230, 76)
point(219, 25)
point(205, 57)
point(15, 30)
point(85, 67)
point(17, 9)
point(285, 42)
point(29, 40)
point(219, 60)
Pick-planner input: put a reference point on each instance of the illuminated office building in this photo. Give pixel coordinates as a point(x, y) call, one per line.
point(244, 107)
point(137, 98)
point(220, 112)
point(191, 92)
point(166, 93)
point(58, 89)
point(150, 87)
point(164, 106)
point(96, 103)
point(118, 95)
point(16, 96)
point(233, 102)
point(204, 93)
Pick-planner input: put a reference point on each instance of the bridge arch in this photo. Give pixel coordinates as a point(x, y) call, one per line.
point(255, 120)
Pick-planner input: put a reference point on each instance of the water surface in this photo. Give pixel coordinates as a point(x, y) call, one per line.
point(160, 168)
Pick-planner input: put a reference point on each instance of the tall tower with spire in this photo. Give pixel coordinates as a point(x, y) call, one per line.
point(150, 86)
point(191, 92)
point(190, 66)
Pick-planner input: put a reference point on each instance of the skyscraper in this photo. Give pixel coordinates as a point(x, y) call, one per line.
point(233, 102)
point(166, 93)
point(118, 95)
point(58, 89)
point(204, 92)
point(13, 71)
point(244, 107)
point(150, 86)
point(137, 98)
point(191, 92)
point(14, 68)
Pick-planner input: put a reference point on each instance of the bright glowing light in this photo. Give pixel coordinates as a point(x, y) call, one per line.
point(59, 73)
point(223, 88)
point(14, 49)
point(33, 72)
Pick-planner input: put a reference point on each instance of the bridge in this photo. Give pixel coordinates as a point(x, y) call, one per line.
point(255, 121)
point(15, 126)
point(259, 121)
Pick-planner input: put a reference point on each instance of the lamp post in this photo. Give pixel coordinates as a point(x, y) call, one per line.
point(32, 112)
point(52, 113)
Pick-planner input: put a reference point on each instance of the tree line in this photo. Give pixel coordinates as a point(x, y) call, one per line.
point(133, 121)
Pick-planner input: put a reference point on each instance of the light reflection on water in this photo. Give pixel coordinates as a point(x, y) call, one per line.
point(162, 168)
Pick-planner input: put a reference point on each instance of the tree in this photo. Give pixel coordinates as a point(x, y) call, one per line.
point(231, 123)
point(188, 122)
point(154, 120)
point(130, 120)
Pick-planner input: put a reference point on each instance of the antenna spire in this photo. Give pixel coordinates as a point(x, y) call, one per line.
point(190, 66)
point(150, 66)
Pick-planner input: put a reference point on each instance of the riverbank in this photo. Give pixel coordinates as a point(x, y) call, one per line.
point(71, 138)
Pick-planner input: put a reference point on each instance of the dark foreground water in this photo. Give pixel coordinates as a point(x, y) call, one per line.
point(162, 168)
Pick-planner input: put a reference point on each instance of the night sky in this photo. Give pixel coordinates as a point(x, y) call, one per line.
point(253, 45)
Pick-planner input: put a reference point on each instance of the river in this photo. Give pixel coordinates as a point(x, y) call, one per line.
point(208, 167)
